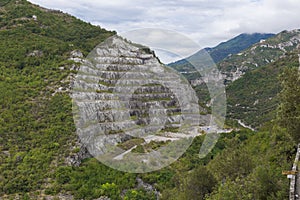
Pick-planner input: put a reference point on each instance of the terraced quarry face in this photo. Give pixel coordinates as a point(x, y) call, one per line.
point(132, 112)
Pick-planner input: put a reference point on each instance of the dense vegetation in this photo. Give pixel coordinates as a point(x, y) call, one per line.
point(36, 127)
point(254, 97)
point(245, 169)
point(37, 131)
point(289, 110)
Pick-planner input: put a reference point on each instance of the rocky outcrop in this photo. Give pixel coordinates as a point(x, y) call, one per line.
point(35, 53)
point(65, 86)
point(147, 187)
point(122, 91)
point(75, 159)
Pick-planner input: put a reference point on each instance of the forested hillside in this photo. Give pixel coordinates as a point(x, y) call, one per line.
point(254, 97)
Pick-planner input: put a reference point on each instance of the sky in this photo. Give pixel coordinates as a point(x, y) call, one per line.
point(207, 22)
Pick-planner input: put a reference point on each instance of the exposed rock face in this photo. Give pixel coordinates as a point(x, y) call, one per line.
point(103, 198)
point(122, 91)
point(147, 187)
point(35, 53)
point(75, 159)
point(65, 87)
point(76, 54)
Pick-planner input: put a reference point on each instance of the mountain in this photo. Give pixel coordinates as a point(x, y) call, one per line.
point(258, 69)
point(256, 55)
point(139, 134)
point(37, 131)
point(254, 97)
point(252, 77)
point(217, 54)
point(260, 54)
point(41, 156)
point(236, 45)
point(224, 49)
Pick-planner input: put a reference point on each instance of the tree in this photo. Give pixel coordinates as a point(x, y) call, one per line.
point(199, 183)
point(289, 110)
point(233, 162)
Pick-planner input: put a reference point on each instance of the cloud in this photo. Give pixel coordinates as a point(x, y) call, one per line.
point(169, 45)
point(205, 21)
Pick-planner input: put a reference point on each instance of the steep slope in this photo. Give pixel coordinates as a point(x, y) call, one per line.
point(254, 98)
point(257, 55)
point(236, 45)
point(37, 131)
point(265, 58)
point(218, 53)
point(40, 155)
point(260, 54)
point(224, 49)
point(149, 112)
point(252, 77)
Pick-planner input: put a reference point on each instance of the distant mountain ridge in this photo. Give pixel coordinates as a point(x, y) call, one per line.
point(260, 54)
point(253, 70)
point(232, 46)
point(236, 45)
point(220, 53)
